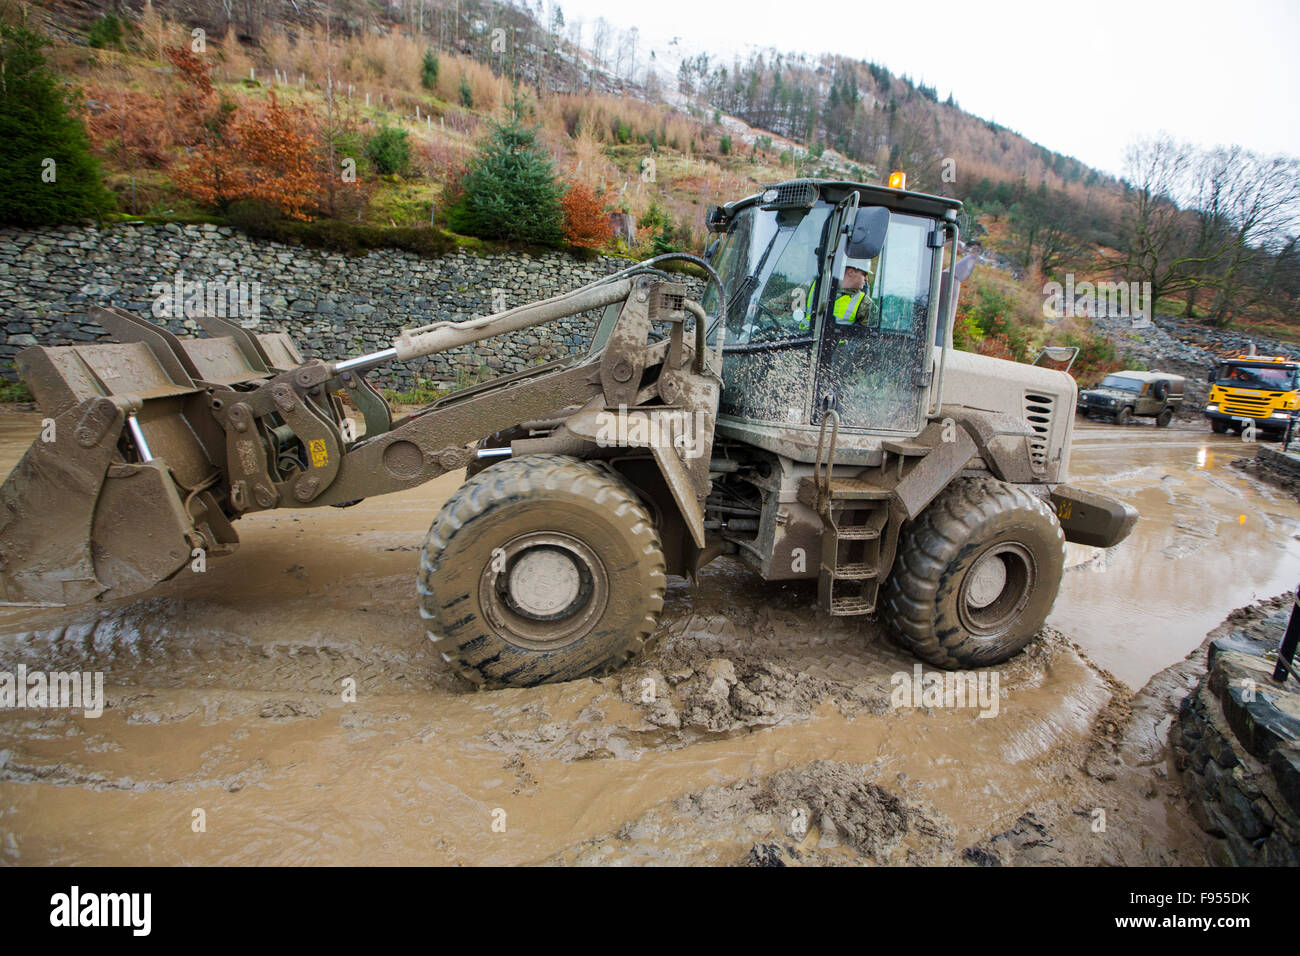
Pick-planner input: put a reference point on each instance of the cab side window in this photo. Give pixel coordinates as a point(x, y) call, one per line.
point(901, 285)
point(784, 308)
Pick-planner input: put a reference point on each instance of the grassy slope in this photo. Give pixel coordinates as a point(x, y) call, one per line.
point(689, 165)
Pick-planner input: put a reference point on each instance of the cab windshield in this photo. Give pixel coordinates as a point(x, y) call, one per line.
point(743, 260)
point(1119, 381)
point(797, 343)
point(1271, 379)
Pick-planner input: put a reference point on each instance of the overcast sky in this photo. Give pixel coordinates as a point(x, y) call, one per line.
point(1081, 78)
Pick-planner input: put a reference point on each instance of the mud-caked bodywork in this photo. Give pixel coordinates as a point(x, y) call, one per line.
point(1123, 396)
point(809, 415)
point(155, 446)
point(846, 414)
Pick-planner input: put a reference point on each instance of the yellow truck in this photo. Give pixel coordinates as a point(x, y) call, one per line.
point(1254, 390)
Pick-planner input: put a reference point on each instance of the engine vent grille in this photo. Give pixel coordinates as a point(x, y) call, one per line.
point(1038, 412)
point(668, 301)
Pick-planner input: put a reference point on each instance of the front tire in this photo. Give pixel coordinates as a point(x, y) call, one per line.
point(976, 575)
point(1124, 416)
point(539, 569)
point(1218, 427)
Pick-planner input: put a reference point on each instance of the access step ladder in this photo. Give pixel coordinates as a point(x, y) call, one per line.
point(855, 513)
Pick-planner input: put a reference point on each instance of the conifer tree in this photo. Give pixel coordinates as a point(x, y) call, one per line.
point(510, 190)
point(47, 171)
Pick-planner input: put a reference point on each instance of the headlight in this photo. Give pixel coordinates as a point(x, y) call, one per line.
point(1280, 415)
point(1211, 408)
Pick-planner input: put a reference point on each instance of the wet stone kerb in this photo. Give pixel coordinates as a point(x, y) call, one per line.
point(1275, 466)
point(1284, 462)
point(1237, 742)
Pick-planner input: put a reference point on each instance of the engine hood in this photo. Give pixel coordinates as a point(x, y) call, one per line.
point(1043, 397)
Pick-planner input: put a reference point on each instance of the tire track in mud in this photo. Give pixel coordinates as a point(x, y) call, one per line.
point(175, 644)
point(823, 813)
point(720, 665)
point(66, 774)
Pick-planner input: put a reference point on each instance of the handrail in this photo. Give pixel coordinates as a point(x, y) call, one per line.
point(823, 484)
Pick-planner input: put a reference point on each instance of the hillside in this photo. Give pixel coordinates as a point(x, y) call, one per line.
point(714, 134)
point(385, 107)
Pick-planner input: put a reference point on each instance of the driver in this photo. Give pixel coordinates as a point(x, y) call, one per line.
point(852, 301)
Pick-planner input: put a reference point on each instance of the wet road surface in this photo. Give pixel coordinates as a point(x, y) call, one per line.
point(773, 724)
point(1208, 539)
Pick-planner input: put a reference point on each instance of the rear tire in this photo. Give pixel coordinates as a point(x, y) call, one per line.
point(538, 569)
point(1164, 418)
point(976, 575)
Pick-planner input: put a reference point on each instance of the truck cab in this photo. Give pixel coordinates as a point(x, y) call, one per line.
point(1254, 391)
point(886, 366)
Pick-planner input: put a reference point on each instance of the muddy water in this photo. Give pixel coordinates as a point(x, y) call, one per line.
point(225, 696)
point(1208, 539)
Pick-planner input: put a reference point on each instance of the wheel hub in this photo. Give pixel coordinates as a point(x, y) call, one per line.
point(996, 588)
point(544, 581)
point(543, 590)
point(987, 579)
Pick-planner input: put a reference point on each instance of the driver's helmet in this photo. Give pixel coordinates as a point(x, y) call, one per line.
point(862, 265)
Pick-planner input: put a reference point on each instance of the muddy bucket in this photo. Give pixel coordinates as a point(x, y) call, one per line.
point(118, 492)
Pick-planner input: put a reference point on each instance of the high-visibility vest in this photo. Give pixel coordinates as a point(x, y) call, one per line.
point(846, 306)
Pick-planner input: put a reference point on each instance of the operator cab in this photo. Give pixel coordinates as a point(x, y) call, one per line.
point(831, 302)
point(1264, 374)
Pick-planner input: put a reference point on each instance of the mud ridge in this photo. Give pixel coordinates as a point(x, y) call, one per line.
point(160, 643)
point(822, 813)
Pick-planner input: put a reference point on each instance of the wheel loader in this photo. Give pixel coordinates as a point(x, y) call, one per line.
point(766, 420)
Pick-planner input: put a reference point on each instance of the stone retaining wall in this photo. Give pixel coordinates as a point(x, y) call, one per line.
point(1237, 743)
point(334, 305)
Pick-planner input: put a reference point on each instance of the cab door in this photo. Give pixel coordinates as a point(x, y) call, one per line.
point(875, 372)
point(770, 347)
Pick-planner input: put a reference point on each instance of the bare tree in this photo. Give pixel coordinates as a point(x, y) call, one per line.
point(1257, 205)
point(1158, 238)
point(1210, 207)
point(600, 41)
point(630, 40)
point(574, 31)
point(1048, 224)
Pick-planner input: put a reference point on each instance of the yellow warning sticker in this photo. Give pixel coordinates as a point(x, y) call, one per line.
point(320, 455)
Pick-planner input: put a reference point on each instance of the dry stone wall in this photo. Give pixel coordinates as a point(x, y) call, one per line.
point(334, 305)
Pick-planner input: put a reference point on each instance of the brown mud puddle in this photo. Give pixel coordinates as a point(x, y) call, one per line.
point(769, 735)
point(1209, 539)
